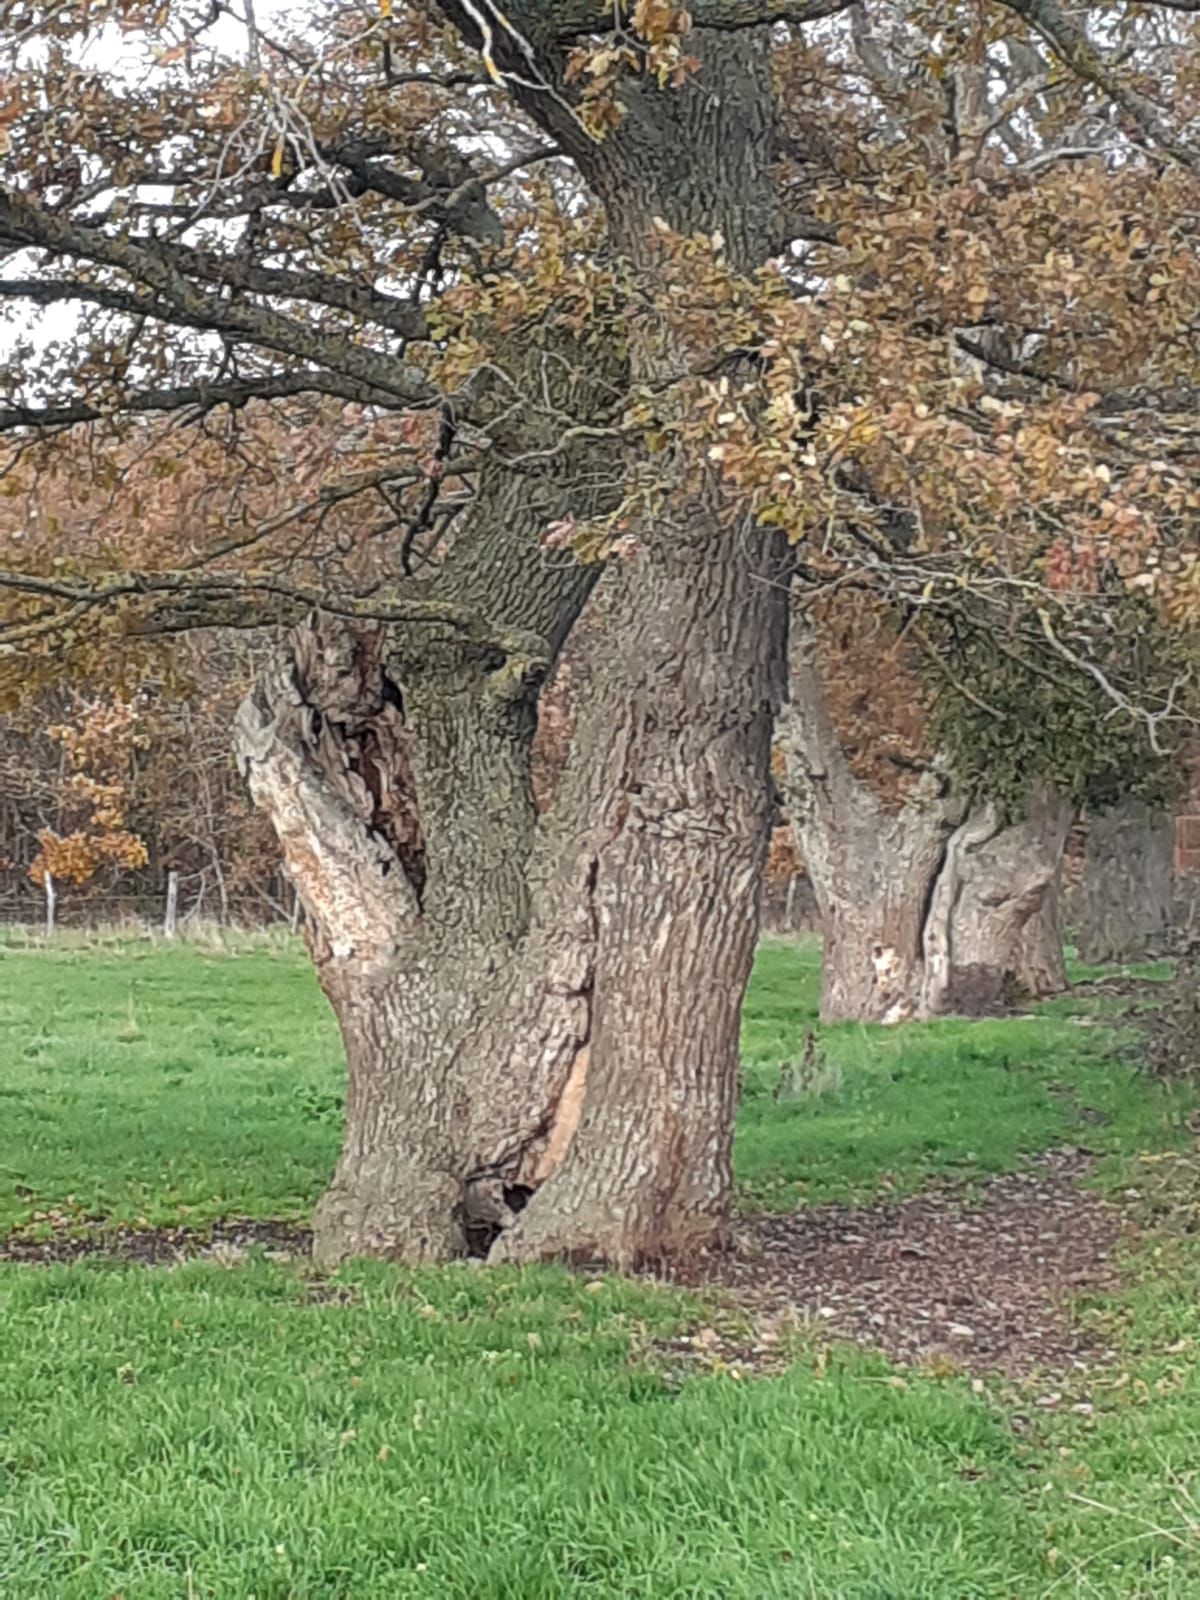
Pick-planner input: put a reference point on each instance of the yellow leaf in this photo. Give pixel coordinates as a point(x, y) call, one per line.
point(277, 159)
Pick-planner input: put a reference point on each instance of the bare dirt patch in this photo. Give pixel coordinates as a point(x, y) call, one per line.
point(160, 1247)
point(984, 1282)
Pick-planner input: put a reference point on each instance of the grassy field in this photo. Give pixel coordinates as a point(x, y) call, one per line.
point(256, 1430)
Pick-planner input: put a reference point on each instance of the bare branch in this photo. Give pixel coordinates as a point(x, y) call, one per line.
point(1072, 46)
point(22, 222)
point(181, 600)
point(205, 396)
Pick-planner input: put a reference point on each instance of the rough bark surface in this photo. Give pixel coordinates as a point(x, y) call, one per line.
point(924, 909)
point(395, 765)
point(667, 778)
point(1124, 902)
point(541, 1013)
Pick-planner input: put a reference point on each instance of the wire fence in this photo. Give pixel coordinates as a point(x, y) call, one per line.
point(69, 906)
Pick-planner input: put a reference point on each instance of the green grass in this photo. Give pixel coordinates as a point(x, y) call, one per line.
point(165, 1083)
point(470, 1435)
point(944, 1099)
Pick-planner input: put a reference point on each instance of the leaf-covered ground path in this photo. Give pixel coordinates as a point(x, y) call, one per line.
point(980, 1277)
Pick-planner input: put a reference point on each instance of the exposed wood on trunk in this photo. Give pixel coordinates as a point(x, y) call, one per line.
point(395, 768)
point(671, 751)
point(924, 909)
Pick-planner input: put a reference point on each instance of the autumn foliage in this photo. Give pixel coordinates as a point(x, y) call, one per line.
point(100, 749)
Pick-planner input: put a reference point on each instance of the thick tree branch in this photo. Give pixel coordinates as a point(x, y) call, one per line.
point(23, 223)
point(576, 17)
point(179, 601)
point(205, 396)
point(341, 294)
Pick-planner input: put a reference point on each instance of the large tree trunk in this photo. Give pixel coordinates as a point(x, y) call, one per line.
point(395, 768)
point(500, 984)
point(924, 910)
point(541, 1016)
point(1124, 900)
point(669, 762)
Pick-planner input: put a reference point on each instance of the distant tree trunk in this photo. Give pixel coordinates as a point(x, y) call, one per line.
point(994, 927)
point(923, 910)
point(873, 869)
point(171, 913)
point(1125, 897)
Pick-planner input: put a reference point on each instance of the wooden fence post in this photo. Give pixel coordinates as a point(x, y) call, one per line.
point(171, 916)
point(51, 902)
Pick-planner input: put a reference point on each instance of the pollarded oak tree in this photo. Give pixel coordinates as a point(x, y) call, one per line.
point(480, 967)
point(932, 820)
point(662, 288)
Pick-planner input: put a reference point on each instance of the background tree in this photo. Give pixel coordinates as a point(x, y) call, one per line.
point(933, 778)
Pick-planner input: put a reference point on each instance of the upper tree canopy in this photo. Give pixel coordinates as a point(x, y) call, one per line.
point(930, 302)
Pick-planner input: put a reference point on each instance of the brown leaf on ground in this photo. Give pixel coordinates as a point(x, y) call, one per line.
point(982, 1282)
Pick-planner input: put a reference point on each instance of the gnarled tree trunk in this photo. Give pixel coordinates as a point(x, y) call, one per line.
point(994, 925)
point(527, 1000)
point(672, 748)
point(668, 770)
point(541, 1015)
point(395, 768)
point(924, 909)
point(873, 866)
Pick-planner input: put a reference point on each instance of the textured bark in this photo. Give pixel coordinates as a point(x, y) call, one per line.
point(873, 867)
point(413, 926)
point(396, 770)
point(667, 776)
point(671, 751)
point(923, 910)
point(1124, 902)
point(994, 927)
point(528, 1005)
